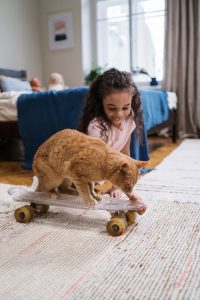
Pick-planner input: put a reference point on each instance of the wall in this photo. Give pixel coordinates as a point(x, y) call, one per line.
point(20, 46)
point(68, 61)
point(24, 39)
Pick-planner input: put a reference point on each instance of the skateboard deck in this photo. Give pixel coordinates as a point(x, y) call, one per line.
point(123, 211)
point(23, 194)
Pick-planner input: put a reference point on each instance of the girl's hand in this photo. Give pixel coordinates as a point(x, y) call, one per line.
point(115, 193)
point(136, 198)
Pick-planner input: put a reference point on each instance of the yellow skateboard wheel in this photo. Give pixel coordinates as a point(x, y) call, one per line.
point(131, 217)
point(116, 226)
point(24, 214)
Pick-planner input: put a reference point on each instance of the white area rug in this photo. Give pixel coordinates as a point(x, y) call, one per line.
point(177, 178)
point(67, 254)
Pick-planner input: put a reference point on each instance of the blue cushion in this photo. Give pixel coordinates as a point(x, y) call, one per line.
point(8, 84)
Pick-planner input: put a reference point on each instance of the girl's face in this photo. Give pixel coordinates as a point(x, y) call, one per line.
point(117, 106)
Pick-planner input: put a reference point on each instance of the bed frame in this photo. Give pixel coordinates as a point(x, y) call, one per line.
point(9, 129)
point(171, 123)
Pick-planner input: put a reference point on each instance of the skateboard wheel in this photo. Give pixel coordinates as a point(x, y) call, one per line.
point(131, 217)
point(116, 226)
point(24, 214)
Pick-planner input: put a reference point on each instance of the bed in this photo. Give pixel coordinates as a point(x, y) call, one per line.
point(155, 118)
point(8, 123)
point(38, 115)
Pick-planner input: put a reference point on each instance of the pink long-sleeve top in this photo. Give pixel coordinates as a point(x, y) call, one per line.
point(117, 137)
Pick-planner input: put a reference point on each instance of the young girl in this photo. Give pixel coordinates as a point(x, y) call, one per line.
point(112, 112)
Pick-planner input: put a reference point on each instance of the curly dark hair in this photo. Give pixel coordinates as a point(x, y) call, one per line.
point(110, 81)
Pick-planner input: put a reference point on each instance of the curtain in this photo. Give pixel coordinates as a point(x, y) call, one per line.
point(182, 62)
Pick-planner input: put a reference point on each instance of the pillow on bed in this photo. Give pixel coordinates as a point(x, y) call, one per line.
point(8, 84)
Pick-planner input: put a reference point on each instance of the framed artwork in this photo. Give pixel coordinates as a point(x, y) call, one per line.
point(61, 31)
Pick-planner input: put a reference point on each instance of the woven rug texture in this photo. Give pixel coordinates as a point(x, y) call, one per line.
point(67, 253)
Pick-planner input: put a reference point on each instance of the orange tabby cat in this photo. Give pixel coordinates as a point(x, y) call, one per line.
point(72, 157)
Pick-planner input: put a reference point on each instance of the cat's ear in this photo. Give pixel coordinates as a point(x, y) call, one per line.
point(124, 168)
point(140, 163)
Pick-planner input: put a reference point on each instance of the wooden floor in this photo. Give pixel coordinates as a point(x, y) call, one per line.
point(12, 173)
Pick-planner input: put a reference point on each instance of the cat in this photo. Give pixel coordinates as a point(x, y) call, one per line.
point(70, 156)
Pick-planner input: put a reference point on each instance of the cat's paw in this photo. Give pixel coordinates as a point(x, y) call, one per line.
point(98, 197)
point(90, 201)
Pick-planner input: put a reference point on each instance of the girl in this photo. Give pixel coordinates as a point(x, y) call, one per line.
point(112, 112)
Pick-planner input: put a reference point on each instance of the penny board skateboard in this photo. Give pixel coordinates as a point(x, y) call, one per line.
point(123, 211)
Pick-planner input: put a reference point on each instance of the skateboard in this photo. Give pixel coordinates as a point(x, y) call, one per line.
point(123, 212)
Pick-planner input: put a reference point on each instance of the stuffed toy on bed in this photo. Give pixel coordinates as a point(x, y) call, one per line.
point(56, 82)
point(36, 84)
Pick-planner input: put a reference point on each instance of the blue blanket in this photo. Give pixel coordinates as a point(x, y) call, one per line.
point(42, 114)
point(155, 107)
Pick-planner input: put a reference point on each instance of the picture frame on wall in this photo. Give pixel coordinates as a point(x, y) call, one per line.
point(60, 28)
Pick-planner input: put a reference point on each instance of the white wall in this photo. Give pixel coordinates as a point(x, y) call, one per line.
point(20, 46)
point(68, 61)
point(24, 39)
